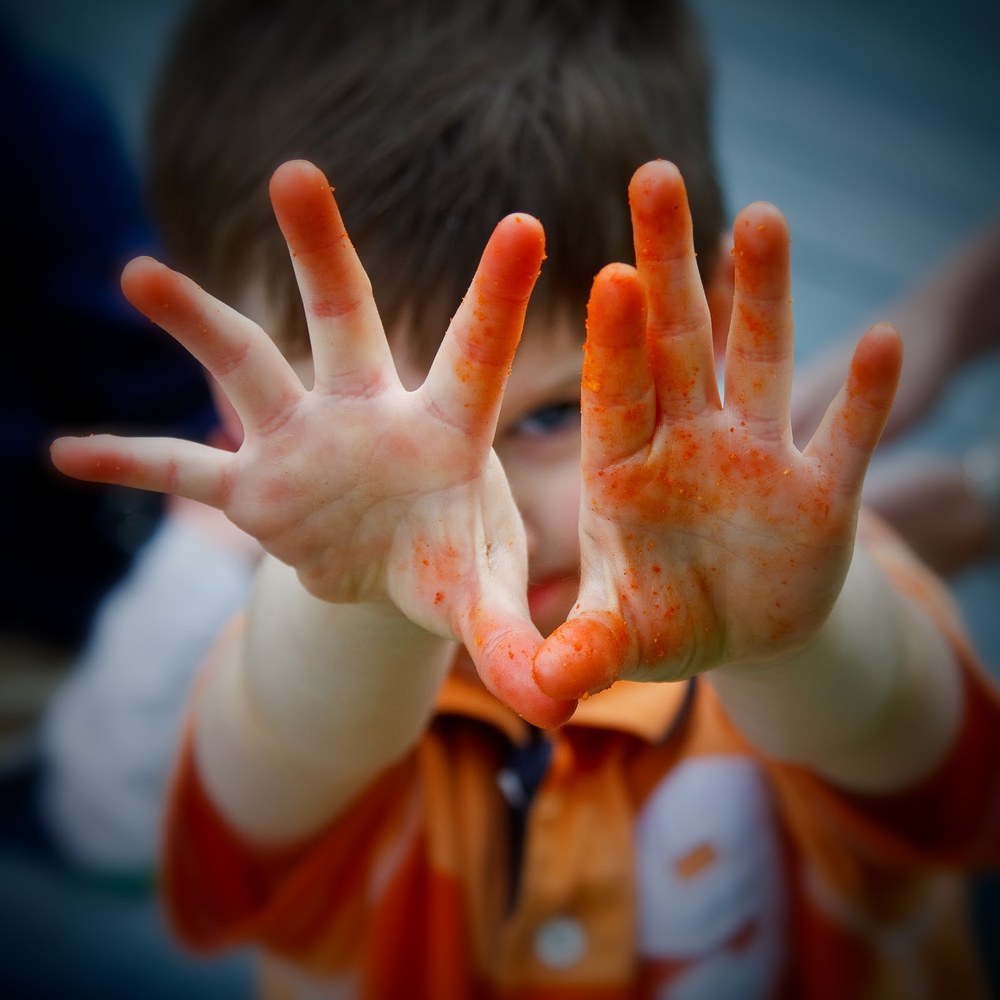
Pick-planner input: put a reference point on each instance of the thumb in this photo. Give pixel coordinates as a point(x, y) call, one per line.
point(503, 644)
point(584, 655)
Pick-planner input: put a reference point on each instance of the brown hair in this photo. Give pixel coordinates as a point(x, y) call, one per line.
point(433, 119)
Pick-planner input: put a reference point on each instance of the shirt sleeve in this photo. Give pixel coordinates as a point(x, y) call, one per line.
point(111, 730)
point(312, 898)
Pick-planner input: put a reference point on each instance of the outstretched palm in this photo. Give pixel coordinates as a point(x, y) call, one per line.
point(706, 536)
point(371, 492)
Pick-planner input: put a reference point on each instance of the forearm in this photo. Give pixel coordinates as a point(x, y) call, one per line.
point(872, 703)
point(309, 703)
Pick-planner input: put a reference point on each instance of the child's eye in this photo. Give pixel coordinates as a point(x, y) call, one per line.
point(546, 420)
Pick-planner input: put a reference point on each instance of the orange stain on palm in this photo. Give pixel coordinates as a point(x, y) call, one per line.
point(437, 568)
point(688, 472)
point(689, 479)
point(679, 383)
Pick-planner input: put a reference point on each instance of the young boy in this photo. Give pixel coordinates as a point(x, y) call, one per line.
point(391, 780)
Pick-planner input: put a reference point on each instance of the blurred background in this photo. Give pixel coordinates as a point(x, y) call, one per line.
point(873, 124)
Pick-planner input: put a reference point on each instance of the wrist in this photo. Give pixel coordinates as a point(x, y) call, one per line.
point(308, 702)
point(871, 702)
point(312, 667)
point(244, 764)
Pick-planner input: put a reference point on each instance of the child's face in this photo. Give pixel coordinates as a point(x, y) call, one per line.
point(538, 442)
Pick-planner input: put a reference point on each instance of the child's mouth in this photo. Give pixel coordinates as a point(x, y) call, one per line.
point(550, 600)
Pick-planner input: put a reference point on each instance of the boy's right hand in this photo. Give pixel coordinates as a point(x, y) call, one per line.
point(371, 492)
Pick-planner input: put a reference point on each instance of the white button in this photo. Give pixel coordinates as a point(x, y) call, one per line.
point(560, 942)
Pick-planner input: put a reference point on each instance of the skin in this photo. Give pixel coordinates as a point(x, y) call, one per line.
point(407, 515)
point(707, 536)
point(304, 482)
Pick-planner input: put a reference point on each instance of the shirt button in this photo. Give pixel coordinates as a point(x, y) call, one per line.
point(560, 942)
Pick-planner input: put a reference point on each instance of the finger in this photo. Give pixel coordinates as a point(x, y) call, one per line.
point(467, 377)
point(679, 324)
point(617, 394)
point(350, 352)
point(583, 656)
point(163, 465)
point(245, 362)
point(758, 371)
point(851, 427)
point(503, 646)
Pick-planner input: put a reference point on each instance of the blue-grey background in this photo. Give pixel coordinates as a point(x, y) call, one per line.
point(874, 125)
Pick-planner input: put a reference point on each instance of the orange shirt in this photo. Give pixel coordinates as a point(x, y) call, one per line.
point(662, 856)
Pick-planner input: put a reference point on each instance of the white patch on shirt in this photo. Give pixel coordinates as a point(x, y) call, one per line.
point(710, 881)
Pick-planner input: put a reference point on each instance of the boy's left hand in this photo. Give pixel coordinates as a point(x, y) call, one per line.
point(706, 536)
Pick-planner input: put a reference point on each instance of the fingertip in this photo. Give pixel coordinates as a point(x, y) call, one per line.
point(661, 218)
point(616, 308)
point(525, 228)
point(760, 229)
point(520, 234)
point(855, 420)
point(761, 252)
point(618, 276)
point(551, 714)
point(513, 256)
point(137, 273)
point(140, 264)
point(91, 459)
point(878, 358)
point(502, 648)
point(155, 289)
point(294, 172)
point(657, 192)
point(583, 656)
point(654, 175)
point(506, 673)
point(58, 450)
point(304, 205)
point(885, 334)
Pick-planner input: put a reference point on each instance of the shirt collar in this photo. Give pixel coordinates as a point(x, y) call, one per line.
point(644, 710)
